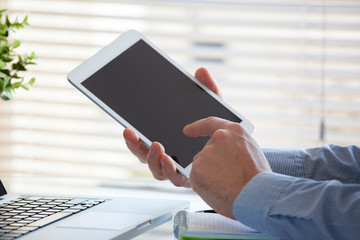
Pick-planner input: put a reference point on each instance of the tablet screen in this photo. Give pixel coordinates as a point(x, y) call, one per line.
point(156, 98)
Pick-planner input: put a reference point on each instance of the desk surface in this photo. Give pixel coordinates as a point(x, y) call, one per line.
point(164, 231)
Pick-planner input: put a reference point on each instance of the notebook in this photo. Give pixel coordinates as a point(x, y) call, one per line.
point(36, 216)
point(206, 226)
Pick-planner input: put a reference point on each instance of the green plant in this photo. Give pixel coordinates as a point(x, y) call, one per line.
point(11, 63)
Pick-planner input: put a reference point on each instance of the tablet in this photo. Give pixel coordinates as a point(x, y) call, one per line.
point(145, 90)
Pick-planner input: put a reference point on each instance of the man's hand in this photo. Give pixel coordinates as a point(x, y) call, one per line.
point(229, 160)
point(160, 164)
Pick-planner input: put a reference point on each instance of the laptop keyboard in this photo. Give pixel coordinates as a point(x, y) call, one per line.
point(28, 213)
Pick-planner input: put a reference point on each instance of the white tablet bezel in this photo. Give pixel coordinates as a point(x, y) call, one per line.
point(111, 51)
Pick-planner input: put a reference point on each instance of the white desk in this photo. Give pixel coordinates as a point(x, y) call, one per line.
point(163, 190)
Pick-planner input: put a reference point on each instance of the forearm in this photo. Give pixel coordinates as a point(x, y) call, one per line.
point(286, 161)
point(293, 208)
point(323, 163)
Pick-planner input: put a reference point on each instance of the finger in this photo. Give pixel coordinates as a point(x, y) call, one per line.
point(205, 127)
point(203, 76)
point(153, 160)
point(169, 170)
point(134, 144)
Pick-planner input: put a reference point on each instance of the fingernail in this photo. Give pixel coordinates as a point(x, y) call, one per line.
point(162, 162)
point(152, 150)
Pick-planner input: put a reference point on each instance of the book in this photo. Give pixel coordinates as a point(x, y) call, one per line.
point(204, 226)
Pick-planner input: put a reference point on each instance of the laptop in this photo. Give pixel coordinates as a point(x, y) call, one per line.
point(35, 216)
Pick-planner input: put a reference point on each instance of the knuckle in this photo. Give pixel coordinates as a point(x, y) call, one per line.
point(220, 135)
point(195, 158)
point(194, 187)
point(193, 181)
point(131, 147)
point(179, 183)
point(196, 162)
point(211, 119)
point(159, 177)
point(152, 160)
point(193, 173)
point(236, 127)
point(142, 160)
point(196, 174)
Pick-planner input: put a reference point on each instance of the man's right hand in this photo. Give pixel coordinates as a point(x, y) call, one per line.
point(160, 164)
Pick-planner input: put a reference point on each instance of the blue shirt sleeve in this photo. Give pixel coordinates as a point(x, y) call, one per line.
point(286, 207)
point(328, 162)
point(305, 203)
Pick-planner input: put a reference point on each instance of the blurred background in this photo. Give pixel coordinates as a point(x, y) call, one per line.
point(291, 67)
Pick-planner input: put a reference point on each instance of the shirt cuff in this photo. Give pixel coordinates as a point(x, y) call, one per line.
point(254, 202)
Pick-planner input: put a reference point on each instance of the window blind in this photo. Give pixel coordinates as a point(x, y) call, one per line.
point(290, 67)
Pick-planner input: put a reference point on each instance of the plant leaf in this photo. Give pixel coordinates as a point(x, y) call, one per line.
point(1, 85)
point(3, 30)
point(7, 59)
point(5, 71)
point(32, 56)
point(6, 79)
point(32, 81)
point(16, 44)
point(2, 64)
point(25, 21)
point(19, 66)
point(5, 49)
point(24, 87)
point(15, 85)
point(6, 94)
point(7, 22)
